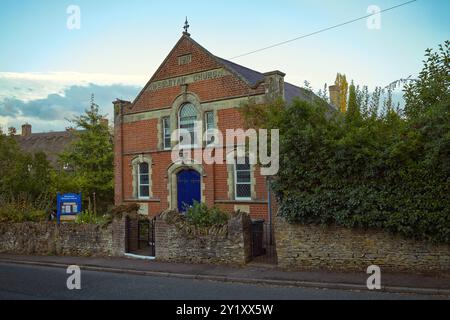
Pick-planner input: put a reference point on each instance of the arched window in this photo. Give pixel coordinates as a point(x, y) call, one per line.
point(188, 121)
point(242, 179)
point(144, 180)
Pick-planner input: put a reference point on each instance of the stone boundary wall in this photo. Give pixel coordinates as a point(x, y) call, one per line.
point(315, 247)
point(31, 238)
point(177, 242)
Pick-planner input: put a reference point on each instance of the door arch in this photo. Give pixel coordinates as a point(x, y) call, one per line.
point(188, 189)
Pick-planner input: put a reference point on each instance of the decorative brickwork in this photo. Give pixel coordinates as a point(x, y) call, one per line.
point(210, 84)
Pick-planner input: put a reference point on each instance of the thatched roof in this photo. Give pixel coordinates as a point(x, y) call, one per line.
point(50, 143)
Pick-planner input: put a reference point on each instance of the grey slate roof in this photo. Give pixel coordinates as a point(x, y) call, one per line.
point(254, 78)
point(51, 143)
point(291, 92)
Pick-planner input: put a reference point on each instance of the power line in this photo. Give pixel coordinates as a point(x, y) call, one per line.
point(323, 30)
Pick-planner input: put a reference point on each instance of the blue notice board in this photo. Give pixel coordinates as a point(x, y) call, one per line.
point(68, 205)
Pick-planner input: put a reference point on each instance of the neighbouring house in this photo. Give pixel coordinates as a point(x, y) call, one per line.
point(191, 86)
point(50, 143)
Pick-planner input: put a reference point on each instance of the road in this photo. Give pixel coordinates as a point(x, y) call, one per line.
point(36, 282)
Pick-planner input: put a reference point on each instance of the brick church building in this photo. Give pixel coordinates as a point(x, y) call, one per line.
point(191, 85)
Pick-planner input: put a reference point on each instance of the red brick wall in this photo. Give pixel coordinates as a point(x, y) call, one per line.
point(213, 89)
point(142, 137)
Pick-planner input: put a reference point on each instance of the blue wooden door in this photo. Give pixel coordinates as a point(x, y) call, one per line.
point(188, 189)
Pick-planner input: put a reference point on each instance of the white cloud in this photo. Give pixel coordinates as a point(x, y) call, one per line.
point(46, 100)
point(32, 86)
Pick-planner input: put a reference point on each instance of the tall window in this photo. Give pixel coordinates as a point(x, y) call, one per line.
point(210, 126)
point(188, 119)
point(243, 184)
point(144, 180)
point(166, 133)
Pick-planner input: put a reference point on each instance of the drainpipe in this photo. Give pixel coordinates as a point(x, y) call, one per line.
point(269, 203)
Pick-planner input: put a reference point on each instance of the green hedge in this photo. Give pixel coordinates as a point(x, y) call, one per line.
point(386, 172)
point(385, 169)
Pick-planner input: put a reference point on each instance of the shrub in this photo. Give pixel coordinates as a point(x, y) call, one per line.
point(22, 208)
point(201, 216)
point(387, 173)
point(384, 170)
point(87, 217)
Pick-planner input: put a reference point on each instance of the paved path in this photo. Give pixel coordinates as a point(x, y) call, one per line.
point(39, 282)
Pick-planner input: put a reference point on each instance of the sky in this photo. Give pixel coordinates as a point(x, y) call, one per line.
point(49, 71)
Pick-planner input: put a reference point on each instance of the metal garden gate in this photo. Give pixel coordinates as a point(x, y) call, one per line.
point(140, 236)
point(263, 243)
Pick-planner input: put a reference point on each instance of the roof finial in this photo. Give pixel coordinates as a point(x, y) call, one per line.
point(186, 27)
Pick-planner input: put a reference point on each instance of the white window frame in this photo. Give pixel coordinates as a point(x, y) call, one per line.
point(196, 129)
point(213, 127)
point(236, 183)
point(140, 184)
point(164, 137)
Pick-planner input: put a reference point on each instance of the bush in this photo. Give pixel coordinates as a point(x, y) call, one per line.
point(386, 173)
point(201, 216)
point(384, 170)
point(87, 217)
point(22, 208)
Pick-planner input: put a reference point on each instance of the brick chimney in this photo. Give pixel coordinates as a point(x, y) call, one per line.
point(26, 130)
point(335, 97)
point(274, 82)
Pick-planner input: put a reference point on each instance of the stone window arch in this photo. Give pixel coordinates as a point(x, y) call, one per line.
point(142, 177)
point(186, 98)
point(188, 118)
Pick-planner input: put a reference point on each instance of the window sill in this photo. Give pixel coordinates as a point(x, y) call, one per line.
point(143, 200)
point(242, 201)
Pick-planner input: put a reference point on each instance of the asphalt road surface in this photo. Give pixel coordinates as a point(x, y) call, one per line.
point(35, 282)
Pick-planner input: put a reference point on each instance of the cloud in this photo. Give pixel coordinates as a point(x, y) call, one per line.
point(33, 86)
point(53, 110)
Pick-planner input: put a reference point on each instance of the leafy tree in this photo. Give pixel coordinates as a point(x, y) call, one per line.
point(433, 85)
point(24, 183)
point(91, 158)
point(323, 93)
point(20, 171)
point(12, 131)
point(385, 171)
point(363, 97)
point(353, 106)
point(341, 81)
point(374, 104)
